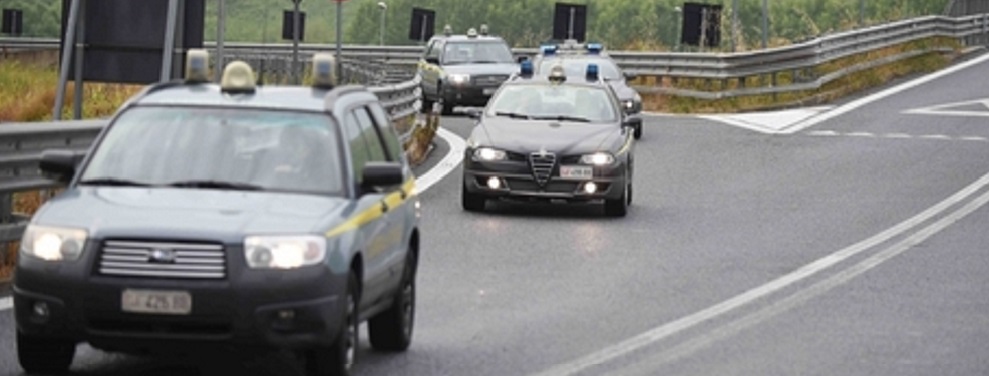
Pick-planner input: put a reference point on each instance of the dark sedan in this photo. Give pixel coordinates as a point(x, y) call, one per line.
point(555, 139)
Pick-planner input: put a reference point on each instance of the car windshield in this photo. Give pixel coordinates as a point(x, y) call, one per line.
point(578, 67)
point(219, 148)
point(553, 101)
point(477, 53)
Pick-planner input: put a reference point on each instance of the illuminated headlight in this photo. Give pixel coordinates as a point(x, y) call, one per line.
point(597, 159)
point(284, 252)
point(459, 79)
point(489, 154)
point(629, 104)
point(53, 243)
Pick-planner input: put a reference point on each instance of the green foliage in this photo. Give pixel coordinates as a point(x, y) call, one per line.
point(621, 24)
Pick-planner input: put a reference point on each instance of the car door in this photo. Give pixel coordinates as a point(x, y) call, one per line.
point(402, 214)
point(429, 69)
point(370, 205)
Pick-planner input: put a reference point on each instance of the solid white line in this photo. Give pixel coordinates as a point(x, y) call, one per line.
point(738, 123)
point(685, 349)
point(449, 162)
point(799, 126)
point(663, 331)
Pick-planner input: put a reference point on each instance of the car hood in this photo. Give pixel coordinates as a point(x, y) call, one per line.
point(527, 136)
point(482, 69)
point(622, 90)
point(226, 216)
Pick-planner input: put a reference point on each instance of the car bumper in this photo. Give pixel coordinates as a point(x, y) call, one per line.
point(254, 309)
point(468, 95)
point(518, 183)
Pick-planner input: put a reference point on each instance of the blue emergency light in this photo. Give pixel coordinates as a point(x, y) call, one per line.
point(526, 68)
point(549, 49)
point(592, 72)
point(594, 48)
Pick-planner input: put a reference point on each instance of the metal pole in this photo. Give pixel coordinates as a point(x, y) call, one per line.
point(63, 76)
point(573, 14)
point(765, 24)
point(384, 11)
point(734, 23)
point(676, 43)
point(422, 30)
point(295, 42)
point(339, 34)
point(861, 13)
point(168, 53)
point(80, 48)
point(221, 26)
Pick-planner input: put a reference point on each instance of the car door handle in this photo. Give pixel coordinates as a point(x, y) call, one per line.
point(384, 207)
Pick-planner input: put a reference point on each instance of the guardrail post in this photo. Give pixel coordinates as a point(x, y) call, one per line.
point(6, 216)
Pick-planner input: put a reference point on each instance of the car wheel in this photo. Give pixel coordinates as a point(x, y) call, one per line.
point(637, 133)
point(391, 330)
point(619, 206)
point(44, 355)
point(338, 359)
point(470, 201)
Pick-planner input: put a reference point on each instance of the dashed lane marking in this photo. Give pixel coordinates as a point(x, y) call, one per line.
point(899, 136)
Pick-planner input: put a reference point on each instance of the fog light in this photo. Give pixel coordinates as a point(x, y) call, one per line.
point(590, 188)
point(286, 314)
point(40, 310)
point(494, 183)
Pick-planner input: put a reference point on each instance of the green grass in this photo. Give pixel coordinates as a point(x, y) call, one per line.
point(28, 91)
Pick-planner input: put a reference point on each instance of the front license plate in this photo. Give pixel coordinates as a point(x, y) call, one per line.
point(157, 302)
point(576, 172)
point(489, 91)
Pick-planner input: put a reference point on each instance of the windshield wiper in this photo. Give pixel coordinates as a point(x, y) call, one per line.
point(563, 118)
point(487, 62)
point(112, 181)
point(513, 115)
point(216, 184)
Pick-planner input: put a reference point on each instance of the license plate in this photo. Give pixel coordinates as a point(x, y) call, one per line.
point(576, 172)
point(156, 301)
point(489, 91)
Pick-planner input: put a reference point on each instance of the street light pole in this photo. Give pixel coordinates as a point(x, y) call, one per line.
point(676, 43)
point(384, 11)
point(765, 24)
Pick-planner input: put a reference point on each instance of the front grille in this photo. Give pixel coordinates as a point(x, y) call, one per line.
point(489, 80)
point(151, 259)
point(542, 166)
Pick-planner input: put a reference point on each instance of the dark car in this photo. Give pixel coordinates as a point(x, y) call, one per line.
point(551, 138)
point(464, 70)
point(576, 57)
point(212, 217)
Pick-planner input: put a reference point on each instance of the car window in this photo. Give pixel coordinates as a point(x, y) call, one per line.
point(591, 103)
point(434, 50)
point(358, 144)
point(270, 150)
point(578, 67)
point(376, 151)
point(392, 144)
point(474, 52)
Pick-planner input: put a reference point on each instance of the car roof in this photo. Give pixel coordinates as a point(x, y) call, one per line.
point(297, 98)
point(544, 80)
point(464, 38)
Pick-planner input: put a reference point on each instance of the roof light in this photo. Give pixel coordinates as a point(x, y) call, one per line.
point(571, 44)
point(595, 48)
point(526, 68)
point(323, 70)
point(592, 72)
point(197, 66)
point(238, 78)
point(484, 29)
point(447, 30)
point(472, 33)
point(548, 49)
point(557, 73)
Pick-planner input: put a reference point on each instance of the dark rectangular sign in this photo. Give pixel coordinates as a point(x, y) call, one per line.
point(288, 21)
point(124, 38)
point(695, 25)
point(13, 22)
point(422, 25)
point(566, 14)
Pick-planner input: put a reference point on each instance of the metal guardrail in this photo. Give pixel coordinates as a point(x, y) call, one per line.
point(21, 145)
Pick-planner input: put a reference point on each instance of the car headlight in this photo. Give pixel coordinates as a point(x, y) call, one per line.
point(489, 154)
point(628, 104)
point(53, 243)
point(597, 159)
point(284, 252)
point(459, 78)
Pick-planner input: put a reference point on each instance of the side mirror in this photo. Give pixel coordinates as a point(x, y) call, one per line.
point(629, 76)
point(433, 60)
point(61, 163)
point(474, 113)
point(520, 59)
point(382, 174)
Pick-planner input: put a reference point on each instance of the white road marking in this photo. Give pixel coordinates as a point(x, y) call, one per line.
point(880, 95)
point(767, 121)
point(935, 137)
point(831, 133)
point(861, 134)
point(666, 330)
point(823, 133)
point(974, 138)
point(652, 364)
point(898, 135)
point(449, 162)
point(953, 109)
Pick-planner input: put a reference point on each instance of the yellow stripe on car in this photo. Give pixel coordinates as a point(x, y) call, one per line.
point(392, 200)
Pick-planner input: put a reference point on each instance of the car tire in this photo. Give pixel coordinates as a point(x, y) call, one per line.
point(447, 109)
point(637, 133)
point(339, 358)
point(619, 207)
point(471, 202)
point(44, 355)
point(391, 330)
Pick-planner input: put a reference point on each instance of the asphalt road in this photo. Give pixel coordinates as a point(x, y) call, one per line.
point(853, 247)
